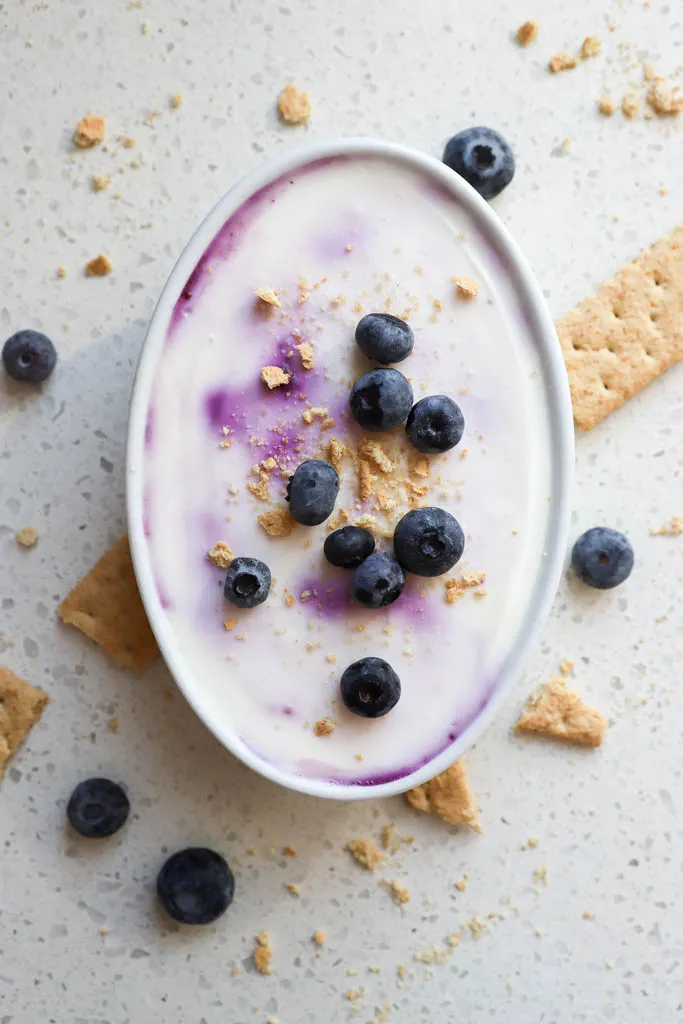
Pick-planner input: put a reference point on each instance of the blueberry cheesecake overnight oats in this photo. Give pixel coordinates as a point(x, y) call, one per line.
point(346, 474)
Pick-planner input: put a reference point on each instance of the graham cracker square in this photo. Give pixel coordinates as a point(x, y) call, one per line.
point(107, 607)
point(627, 333)
point(21, 705)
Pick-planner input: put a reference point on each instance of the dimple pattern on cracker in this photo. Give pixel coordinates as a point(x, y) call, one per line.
point(627, 333)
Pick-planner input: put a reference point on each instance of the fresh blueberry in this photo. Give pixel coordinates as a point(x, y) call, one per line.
point(428, 541)
point(195, 886)
point(384, 338)
point(247, 583)
point(312, 492)
point(381, 399)
point(29, 356)
point(377, 581)
point(349, 546)
point(370, 688)
point(435, 424)
point(483, 158)
point(602, 558)
point(97, 808)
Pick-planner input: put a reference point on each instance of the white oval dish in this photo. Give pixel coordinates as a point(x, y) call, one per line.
point(557, 414)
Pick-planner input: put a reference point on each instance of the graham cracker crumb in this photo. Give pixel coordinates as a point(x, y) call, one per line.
point(373, 451)
point(353, 994)
point(99, 182)
point(527, 32)
point(319, 937)
point(229, 624)
point(113, 724)
point(324, 727)
point(398, 893)
point(562, 62)
point(290, 601)
point(306, 354)
point(671, 529)
point(630, 105)
point(335, 452)
point(89, 131)
point(331, 658)
point(221, 555)
point(262, 953)
point(277, 522)
point(292, 888)
point(540, 874)
point(288, 851)
point(365, 853)
point(558, 712)
point(456, 588)
point(260, 489)
point(606, 106)
point(531, 843)
point(649, 73)
point(61, 272)
point(294, 105)
point(566, 667)
point(466, 288)
point(388, 834)
point(420, 467)
point(100, 266)
point(477, 927)
point(176, 100)
point(328, 423)
point(315, 412)
point(274, 377)
point(366, 480)
point(27, 537)
point(664, 98)
point(449, 796)
point(127, 141)
point(461, 884)
point(269, 297)
point(590, 47)
point(21, 705)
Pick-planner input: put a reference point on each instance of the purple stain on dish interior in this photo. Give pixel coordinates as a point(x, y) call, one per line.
point(328, 596)
point(149, 428)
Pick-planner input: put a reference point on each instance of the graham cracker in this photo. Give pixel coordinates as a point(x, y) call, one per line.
point(21, 705)
point(627, 333)
point(449, 795)
point(107, 607)
point(559, 712)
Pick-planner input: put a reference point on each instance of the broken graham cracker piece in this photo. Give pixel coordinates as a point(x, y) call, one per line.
point(27, 537)
point(559, 712)
point(89, 131)
point(274, 377)
point(221, 555)
point(100, 266)
point(269, 297)
point(107, 607)
point(277, 522)
point(466, 288)
point(625, 334)
point(21, 705)
point(365, 853)
point(306, 354)
point(294, 105)
point(449, 796)
point(665, 99)
point(590, 47)
point(562, 62)
point(262, 953)
point(527, 32)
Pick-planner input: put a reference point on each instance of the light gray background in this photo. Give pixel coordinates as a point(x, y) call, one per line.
point(608, 822)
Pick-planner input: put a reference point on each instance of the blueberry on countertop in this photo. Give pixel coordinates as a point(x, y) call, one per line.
point(195, 886)
point(97, 808)
point(483, 158)
point(370, 688)
point(312, 492)
point(428, 541)
point(384, 338)
point(247, 583)
point(435, 424)
point(348, 547)
point(29, 356)
point(381, 399)
point(602, 558)
point(377, 581)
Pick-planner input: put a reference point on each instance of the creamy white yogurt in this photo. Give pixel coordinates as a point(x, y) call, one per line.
point(335, 240)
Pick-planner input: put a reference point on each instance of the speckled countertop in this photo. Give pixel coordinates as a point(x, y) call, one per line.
point(80, 939)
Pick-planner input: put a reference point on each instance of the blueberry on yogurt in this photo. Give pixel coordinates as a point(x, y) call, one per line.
point(435, 424)
point(381, 399)
point(29, 356)
point(247, 583)
point(312, 492)
point(348, 546)
point(195, 886)
point(370, 688)
point(97, 808)
point(428, 541)
point(602, 558)
point(483, 158)
point(378, 581)
point(384, 338)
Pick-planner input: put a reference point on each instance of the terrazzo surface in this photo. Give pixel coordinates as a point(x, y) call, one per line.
point(586, 925)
